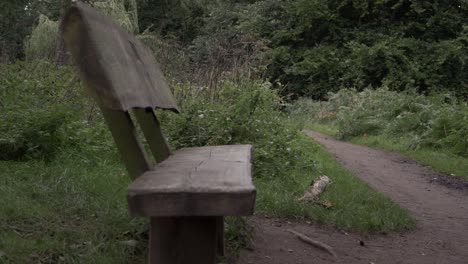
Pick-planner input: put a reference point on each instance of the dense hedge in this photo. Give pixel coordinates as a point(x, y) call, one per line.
point(316, 47)
point(323, 46)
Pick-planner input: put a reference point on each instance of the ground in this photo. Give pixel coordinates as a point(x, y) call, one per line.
point(438, 202)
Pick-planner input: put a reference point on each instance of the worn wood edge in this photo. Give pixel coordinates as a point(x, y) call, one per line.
point(249, 151)
point(189, 204)
point(73, 29)
point(139, 186)
point(195, 191)
point(140, 198)
point(125, 136)
point(75, 11)
point(153, 133)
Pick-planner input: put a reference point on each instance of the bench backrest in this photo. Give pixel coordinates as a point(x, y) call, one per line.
point(122, 75)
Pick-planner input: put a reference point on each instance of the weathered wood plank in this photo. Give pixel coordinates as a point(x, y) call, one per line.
point(232, 153)
point(196, 181)
point(153, 134)
point(126, 138)
point(118, 69)
point(183, 240)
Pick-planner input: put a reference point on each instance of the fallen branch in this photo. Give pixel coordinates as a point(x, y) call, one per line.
point(314, 243)
point(316, 188)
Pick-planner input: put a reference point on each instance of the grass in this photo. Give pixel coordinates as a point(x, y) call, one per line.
point(322, 128)
point(355, 206)
point(439, 160)
point(73, 208)
point(69, 210)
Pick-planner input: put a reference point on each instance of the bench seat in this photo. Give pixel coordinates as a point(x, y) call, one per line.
point(203, 181)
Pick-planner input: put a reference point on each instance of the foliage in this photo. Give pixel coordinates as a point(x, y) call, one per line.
point(172, 56)
point(124, 12)
point(174, 19)
point(355, 205)
point(16, 21)
point(66, 151)
point(323, 46)
point(70, 209)
point(246, 113)
point(440, 159)
point(306, 48)
point(439, 122)
point(43, 109)
point(216, 50)
point(309, 48)
point(42, 40)
point(238, 234)
point(65, 200)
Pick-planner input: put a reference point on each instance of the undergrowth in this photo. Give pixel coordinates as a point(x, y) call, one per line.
point(63, 185)
point(354, 205)
point(430, 129)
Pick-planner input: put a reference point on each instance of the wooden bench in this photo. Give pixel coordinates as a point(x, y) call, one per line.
point(188, 193)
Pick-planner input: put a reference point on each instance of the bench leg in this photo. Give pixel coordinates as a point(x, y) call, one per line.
point(220, 234)
point(183, 240)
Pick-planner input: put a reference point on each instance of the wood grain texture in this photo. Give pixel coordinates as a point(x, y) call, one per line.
point(118, 69)
point(126, 138)
point(152, 130)
point(205, 181)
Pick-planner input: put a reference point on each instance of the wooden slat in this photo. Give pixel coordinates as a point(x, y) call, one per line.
point(119, 70)
point(152, 131)
point(126, 138)
point(197, 181)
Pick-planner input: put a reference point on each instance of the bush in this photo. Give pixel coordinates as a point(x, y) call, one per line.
point(449, 129)
point(41, 43)
point(322, 46)
point(43, 108)
point(124, 12)
point(437, 121)
point(246, 113)
point(31, 134)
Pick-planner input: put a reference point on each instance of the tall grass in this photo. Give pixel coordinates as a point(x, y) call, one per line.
point(354, 205)
point(423, 127)
point(63, 185)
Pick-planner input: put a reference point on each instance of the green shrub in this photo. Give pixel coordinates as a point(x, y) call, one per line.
point(124, 12)
point(322, 46)
point(31, 134)
point(42, 109)
point(246, 113)
point(449, 129)
point(40, 43)
point(437, 121)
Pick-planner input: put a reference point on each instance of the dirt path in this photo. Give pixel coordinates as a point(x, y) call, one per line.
point(442, 214)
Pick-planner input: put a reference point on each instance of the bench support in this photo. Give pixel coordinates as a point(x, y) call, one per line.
point(183, 240)
point(220, 234)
